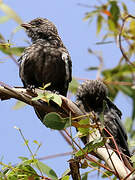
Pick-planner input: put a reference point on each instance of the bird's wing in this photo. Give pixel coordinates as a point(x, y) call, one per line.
point(114, 125)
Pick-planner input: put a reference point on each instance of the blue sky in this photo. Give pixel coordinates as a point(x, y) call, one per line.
point(77, 36)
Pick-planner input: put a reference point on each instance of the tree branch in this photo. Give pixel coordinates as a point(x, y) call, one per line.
point(7, 92)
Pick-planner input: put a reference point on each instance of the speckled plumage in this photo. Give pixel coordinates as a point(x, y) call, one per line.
point(91, 96)
point(47, 59)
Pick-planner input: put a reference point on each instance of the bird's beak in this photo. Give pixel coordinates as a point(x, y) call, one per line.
point(26, 25)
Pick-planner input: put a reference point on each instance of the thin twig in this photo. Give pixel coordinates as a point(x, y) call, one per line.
point(14, 60)
point(55, 156)
point(119, 38)
point(67, 139)
point(95, 120)
point(90, 158)
point(118, 83)
point(129, 174)
point(38, 167)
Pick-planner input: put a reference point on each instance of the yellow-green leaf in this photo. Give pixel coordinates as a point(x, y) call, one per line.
point(65, 178)
point(36, 142)
point(47, 170)
point(132, 27)
point(10, 12)
point(99, 23)
point(19, 105)
point(73, 86)
point(115, 11)
point(4, 19)
point(128, 124)
point(90, 147)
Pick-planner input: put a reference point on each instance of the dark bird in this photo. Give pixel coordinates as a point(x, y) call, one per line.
point(92, 96)
point(46, 60)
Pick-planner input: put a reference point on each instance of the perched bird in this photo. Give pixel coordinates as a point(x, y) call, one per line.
point(92, 96)
point(46, 60)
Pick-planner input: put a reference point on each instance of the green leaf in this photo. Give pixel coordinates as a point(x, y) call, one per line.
point(106, 174)
point(18, 173)
point(92, 68)
point(47, 170)
point(124, 7)
point(57, 99)
point(49, 96)
point(90, 147)
point(4, 19)
point(118, 71)
point(14, 50)
point(55, 121)
point(128, 124)
point(19, 105)
point(17, 51)
point(132, 27)
point(84, 176)
point(73, 86)
point(2, 38)
point(133, 159)
point(65, 177)
point(127, 90)
point(40, 96)
point(99, 23)
point(53, 97)
point(66, 172)
point(132, 142)
point(10, 12)
point(90, 15)
point(45, 86)
point(29, 162)
point(23, 158)
point(83, 131)
point(115, 11)
point(36, 142)
point(112, 25)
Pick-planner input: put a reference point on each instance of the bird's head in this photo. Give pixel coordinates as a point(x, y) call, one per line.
point(92, 93)
point(40, 28)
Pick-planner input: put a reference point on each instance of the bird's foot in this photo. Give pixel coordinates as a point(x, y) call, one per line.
point(56, 92)
point(30, 88)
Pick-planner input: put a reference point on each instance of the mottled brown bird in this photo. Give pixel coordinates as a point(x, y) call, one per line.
point(46, 60)
point(92, 96)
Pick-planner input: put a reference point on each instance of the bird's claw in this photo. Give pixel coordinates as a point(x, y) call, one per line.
point(56, 92)
point(30, 88)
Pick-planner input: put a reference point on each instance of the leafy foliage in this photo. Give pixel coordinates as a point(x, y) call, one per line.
point(121, 78)
point(55, 121)
point(90, 147)
point(73, 86)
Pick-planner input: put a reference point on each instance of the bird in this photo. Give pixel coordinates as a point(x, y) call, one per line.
point(92, 97)
point(46, 60)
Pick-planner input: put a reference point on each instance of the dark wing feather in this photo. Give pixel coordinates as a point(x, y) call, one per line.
point(112, 122)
